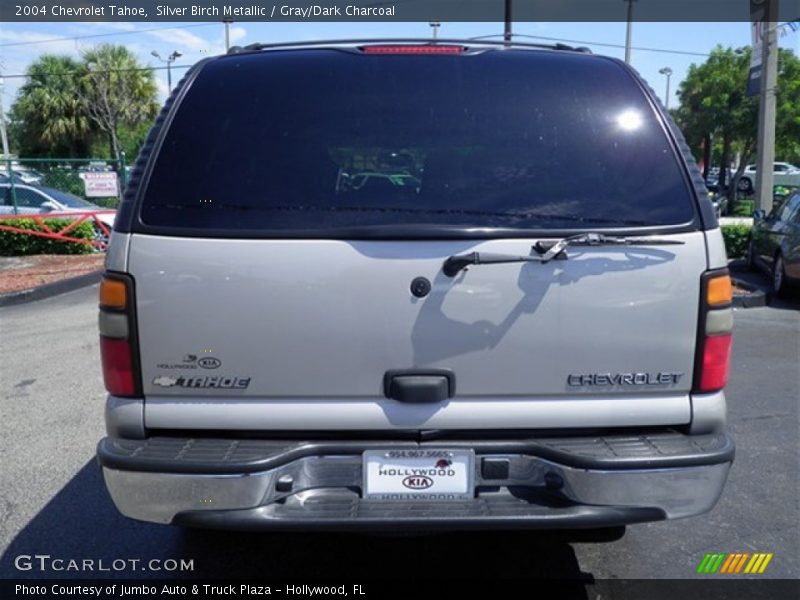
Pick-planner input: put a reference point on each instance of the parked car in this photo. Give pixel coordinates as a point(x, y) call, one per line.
point(783, 174)
point(712, 179)
point(5, 178)
point(22, 175)
point(719, 202)
point(538, 337)
point(775, 243)
point(41, 200)
point(96, 167)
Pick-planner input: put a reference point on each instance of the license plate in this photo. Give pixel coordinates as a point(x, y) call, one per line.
point(423, 474)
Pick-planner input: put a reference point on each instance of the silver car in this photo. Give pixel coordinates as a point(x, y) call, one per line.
point(783, 174)
point(536, 335)
point(38, 200)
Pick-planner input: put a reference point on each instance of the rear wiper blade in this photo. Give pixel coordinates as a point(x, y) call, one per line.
point(544, 253)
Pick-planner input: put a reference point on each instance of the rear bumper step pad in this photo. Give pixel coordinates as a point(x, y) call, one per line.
point(358, 514)
point(602, 481)
point(218, 456)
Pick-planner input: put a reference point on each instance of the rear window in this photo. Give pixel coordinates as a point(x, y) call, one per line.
point(325, 140)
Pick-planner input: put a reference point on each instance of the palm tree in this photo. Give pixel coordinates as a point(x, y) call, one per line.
point(48, 117)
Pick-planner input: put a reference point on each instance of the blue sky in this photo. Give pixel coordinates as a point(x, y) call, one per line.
point(21, 43)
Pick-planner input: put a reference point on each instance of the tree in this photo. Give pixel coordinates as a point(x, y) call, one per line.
point(117, 92)
point(48, 117)
point(787, 125)
point(713, 103)
point(131, 140)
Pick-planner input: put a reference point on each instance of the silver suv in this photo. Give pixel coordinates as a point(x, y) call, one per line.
point(534, 334)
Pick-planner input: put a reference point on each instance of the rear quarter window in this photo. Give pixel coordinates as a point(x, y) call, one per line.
point(321, 141)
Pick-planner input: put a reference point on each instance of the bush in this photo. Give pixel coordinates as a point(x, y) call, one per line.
point(111, 202)
point(21, 244)
point(743, 208)
point(736, 237)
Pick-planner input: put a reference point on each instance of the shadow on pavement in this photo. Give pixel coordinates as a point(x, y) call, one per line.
point(80, 522)
point(760, 280)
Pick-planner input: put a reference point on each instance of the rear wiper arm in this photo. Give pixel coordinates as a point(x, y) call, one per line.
point(545, 253)
point(454, 264)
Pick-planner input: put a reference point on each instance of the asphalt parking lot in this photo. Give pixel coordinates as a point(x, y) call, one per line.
point(52, 500)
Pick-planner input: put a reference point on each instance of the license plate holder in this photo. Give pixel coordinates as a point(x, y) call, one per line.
point(426, 475)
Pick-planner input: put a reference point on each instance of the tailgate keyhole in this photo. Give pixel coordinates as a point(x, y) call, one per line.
point(420, 287)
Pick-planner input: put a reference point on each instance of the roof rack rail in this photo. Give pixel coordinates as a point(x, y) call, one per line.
point(483, 40)
point(555, 45)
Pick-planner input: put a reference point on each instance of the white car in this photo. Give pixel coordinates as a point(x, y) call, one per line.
point(783, 174)
point(22, 174)
point(39, 200)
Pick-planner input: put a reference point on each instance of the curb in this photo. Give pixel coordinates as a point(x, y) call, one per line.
point(50, 289)
point(757, 298)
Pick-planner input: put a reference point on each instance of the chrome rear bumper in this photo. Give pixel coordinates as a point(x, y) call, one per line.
point(564, 483)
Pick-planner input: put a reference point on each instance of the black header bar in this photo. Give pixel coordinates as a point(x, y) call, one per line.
point(386, 10)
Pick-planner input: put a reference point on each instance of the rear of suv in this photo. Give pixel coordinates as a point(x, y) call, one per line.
point(534, 333)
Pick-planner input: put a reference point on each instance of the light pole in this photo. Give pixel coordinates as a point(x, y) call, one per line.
point(3, 134)
point(507, 19)
point(227, 22)
point(629, 32)
point(765, 153)
point(169, 60)
point(435, 27)
point(668, 72)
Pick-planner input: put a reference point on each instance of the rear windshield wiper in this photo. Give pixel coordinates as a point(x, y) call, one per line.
point(545, 253)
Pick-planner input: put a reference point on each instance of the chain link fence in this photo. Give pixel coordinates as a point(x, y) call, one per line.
point(94, 181)
point(58, 204)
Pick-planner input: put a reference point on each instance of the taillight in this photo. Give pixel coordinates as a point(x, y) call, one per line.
point(719, 291)
point(413, 49)
point(113, 293)
point(117, 336)
point(716, 363)
point(715, 329)
point(117, 366)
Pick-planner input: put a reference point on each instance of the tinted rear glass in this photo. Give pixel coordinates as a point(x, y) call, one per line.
point(320, 140)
